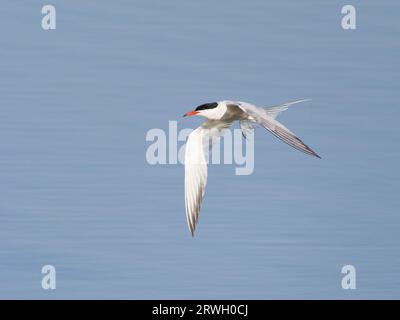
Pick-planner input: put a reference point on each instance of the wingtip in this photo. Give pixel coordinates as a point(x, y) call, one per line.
point(313, 153)
point(316, 155)
point(191, 230)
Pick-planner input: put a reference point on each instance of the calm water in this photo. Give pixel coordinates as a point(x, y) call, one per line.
point(76, 190)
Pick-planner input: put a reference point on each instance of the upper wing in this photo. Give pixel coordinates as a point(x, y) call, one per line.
point(262, 117)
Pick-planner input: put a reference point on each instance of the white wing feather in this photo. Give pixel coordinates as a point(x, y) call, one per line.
point(195, 176)
point(274, 111)
point(196, 156)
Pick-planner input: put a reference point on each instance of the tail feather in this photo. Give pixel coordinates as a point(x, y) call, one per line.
point(274, 111)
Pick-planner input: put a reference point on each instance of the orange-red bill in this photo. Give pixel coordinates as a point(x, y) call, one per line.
point(191, 113)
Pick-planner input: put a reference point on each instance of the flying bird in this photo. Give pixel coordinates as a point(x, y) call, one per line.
point(220, 115)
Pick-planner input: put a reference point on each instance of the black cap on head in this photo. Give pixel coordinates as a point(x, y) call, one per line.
point(205, 106)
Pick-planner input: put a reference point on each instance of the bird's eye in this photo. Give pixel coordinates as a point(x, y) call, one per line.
point(207, 106)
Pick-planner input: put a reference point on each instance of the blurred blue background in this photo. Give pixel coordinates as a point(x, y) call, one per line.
point(76, 190)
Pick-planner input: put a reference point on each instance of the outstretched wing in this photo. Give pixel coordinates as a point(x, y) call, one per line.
point(195, 176)
point(196, 156)
point(261, 116)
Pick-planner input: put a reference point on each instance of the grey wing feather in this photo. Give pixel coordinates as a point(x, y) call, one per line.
point(283, 133)
point(261, 116)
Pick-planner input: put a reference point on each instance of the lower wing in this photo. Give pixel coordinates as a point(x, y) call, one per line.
point(196, 156)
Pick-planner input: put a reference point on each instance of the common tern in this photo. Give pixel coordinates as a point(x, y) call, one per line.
point(220, 115)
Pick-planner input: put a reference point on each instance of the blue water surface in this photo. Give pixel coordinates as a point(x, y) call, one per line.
point(77, 192)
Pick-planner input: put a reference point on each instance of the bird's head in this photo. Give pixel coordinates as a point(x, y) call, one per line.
point(211, 111)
